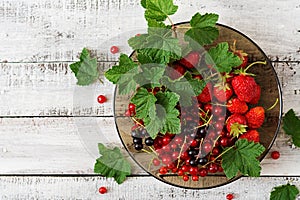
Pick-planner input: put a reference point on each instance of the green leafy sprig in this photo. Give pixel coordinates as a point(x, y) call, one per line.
point(284, 192)
point(112, 163)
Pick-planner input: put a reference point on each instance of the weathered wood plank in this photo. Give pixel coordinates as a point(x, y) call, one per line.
point(69, 146)
point(134, 188)
point(57, 30)
point(49, 89)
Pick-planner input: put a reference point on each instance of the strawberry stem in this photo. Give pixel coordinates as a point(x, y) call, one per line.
point(256, 63)
point(273, 106)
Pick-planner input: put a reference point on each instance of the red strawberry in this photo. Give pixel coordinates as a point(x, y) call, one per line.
point(223, 93)
point(244, 87)
point(176, 71)
point(191, 60)
point(251, 135)
point(255, 117)
point(244, 58)
point(256, 97)
point(236, 124)
point(235, 105)
point(204, 96)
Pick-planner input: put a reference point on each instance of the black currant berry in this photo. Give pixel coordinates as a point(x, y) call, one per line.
point(137, 140)
point(192, 152)
point(144, 133)
point(193, 162)
point(138, 146)
point(202, 132)
point(135, 133)
point(149, 141)
point(202, 161)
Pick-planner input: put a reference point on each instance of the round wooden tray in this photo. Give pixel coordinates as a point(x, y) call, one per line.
point(270, 91)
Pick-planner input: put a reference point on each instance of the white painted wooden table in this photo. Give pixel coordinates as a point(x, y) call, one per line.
point(49, 127)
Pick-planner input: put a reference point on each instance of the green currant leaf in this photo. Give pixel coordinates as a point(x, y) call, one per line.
point(138, 41)
point(284, 192)
point(186, 86)
point(85, 70)
point(151, 74)
point(221, 58)
point(143, 101)
point(242, 157)
point(159, 10)
point(291, 126)
point(154, 23)
point(156, 120)
point(158, 46)
point(112, 163)
point(163, 116)
point(122, 74)
point(203, 30)
point(168, 101)
point(161, 46)
point(144, 3)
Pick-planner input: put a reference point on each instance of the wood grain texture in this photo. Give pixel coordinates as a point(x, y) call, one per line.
point(39, 39)
point(69, 146)
point(50, 30)
point(49, 89)
point(134, 188)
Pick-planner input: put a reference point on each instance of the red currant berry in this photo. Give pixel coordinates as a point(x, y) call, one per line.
point(174, 170)
point(127, 113)
point(193, 170)
point(184, 156)
point(229, 196)
point(166, 148)
point(207, 147)
point(185, 168)
point(215, 151)
point(219, 125)
point(213, 168)
point(102, 190)
point(178, 140)
point(180, 172)
point(195, 178)
point(163, 170)
point(138, 34)
point(217, 110)
point(114, 49)
point(156, 162)
point(224, 141)
point(220, 169)
point(166, 140)
point(207, 107)
point(166, 160)
point(203, 172)
point(194, 143)
point(185, 177)
point(171, 166)
point(131, 107)
point(175, 155)
point(173, 145)
point(275, 155)
point(101, 99)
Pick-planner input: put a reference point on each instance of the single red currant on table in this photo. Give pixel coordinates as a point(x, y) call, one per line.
point(101, 99)
point(102, 190)
point(229, 196)
point(275, 155)
point(114, 49)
